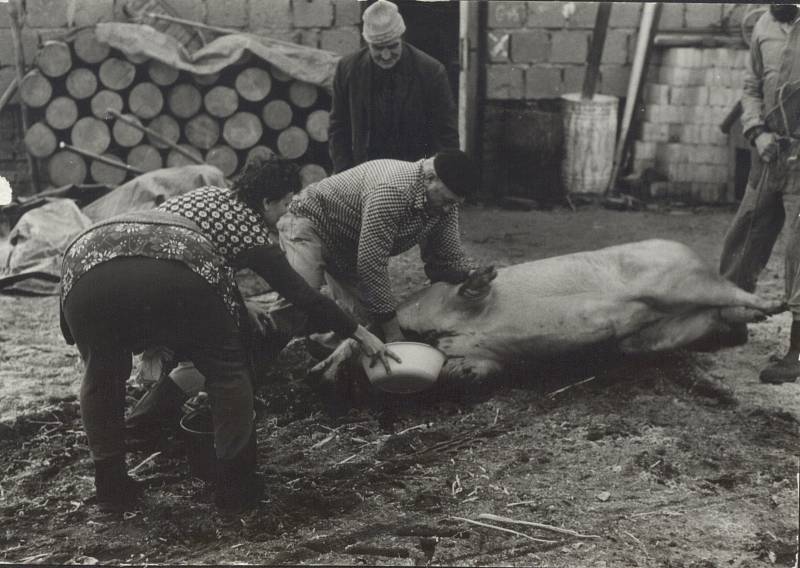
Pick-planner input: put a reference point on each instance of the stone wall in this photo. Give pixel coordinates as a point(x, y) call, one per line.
point(327, 24)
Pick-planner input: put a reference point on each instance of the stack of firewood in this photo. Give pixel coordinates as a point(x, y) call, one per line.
point(93, 107)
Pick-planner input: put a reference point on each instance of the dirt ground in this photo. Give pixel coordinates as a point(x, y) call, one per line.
point(676, 461)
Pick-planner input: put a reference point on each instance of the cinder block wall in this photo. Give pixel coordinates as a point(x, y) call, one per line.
point(536, 52)
point(688, 95)
point(328, 24)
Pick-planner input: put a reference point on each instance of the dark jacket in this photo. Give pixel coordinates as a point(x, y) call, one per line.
point(424, 101)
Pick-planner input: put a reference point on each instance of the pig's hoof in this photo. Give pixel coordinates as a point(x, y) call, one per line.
point(469, 374)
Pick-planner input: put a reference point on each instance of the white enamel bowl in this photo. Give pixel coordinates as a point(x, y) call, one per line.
point(417, 372)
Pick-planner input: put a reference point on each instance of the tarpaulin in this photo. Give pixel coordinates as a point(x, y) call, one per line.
point(315, 66)
point(30, 257)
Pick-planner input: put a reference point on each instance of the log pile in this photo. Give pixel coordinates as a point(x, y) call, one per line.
point(148, 115)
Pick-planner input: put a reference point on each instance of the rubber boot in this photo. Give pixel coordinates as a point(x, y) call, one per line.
point(159, 408)
point(115, 490)
point(237, 485)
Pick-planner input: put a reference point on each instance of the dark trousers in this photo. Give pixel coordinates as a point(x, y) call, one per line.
point(126, 304)
point(762, 214)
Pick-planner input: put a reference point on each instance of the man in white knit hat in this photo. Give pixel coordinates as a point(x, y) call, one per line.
point(390, 99)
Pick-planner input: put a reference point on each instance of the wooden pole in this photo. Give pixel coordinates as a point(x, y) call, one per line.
point(155, 135)
point(99, 158)
point(15, 15)
point(8, 93)
point(596, 50)
point(647, 31)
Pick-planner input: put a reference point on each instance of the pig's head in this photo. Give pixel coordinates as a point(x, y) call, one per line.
point(446, 309)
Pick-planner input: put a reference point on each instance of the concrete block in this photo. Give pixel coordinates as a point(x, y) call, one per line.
point(683, 57)
point(674, 132)
point(708, 192)
point(723, 97)
point(90, 12)
point(507, 14)
point(5, 19)
point(615, 49)
point(341, 40)
point(30, 46)
point(505, 82)
point(716, 78)
point(543, 82)
point(703, 14)
point(46, 13)
point(312, 13)
point(569, 47)
point(653, 131)
point(614, 80)
point(532, 46)
point(711, 134)
point(583, 17)
point(688, 96)
point(498, 45)
point(346, 12)
point(681, 76)
point(546, 14)
point(672, 15)
point(228, 14)
point(672, 153)
point(573, 78)
point(626, 15)
point(657, 94)
point(740, 58)
point(710, 154)
point(275, 14)
point(644, 150)
point(309, 38)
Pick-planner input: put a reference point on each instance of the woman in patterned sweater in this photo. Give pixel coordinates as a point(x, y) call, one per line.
point(165, 277)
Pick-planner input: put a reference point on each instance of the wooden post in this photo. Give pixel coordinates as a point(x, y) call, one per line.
point(596, 50)
point(647, 31)
point(8, 93)
point(15, 15)
point(468, 99)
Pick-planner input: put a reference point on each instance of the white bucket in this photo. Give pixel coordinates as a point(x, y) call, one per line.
point(590, 135)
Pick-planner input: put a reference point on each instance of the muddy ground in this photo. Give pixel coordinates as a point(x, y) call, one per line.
point(676, 460)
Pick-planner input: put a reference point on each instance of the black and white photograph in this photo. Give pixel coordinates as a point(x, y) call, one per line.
point(399, 283)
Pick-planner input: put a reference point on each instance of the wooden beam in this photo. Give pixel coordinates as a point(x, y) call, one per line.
point(15, 17)
point(468, 77)
point(596, 50)
point(644, 44)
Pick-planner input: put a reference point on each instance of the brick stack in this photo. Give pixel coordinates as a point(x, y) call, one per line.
point(688, 94)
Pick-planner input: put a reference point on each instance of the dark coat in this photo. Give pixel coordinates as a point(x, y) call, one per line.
point(425, 104)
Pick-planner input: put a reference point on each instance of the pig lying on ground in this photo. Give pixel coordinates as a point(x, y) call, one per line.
point(641, 297)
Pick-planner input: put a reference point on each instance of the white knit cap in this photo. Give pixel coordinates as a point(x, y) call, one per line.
point(382, 22)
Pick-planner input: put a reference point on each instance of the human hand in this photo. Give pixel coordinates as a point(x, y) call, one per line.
point(259, 318)
point(767, 146)
point(374, 348)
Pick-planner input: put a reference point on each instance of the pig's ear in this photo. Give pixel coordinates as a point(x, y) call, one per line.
point(478, 283)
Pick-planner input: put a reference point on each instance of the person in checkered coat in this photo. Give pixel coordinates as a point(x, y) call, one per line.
point(342, 230)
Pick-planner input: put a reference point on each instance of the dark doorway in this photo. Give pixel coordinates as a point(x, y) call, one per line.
point(433, 28)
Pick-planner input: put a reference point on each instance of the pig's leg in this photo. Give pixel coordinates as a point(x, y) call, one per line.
point(703, 287)
point(466, 372)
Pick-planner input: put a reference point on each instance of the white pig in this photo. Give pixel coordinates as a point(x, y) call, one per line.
point(647, 296)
